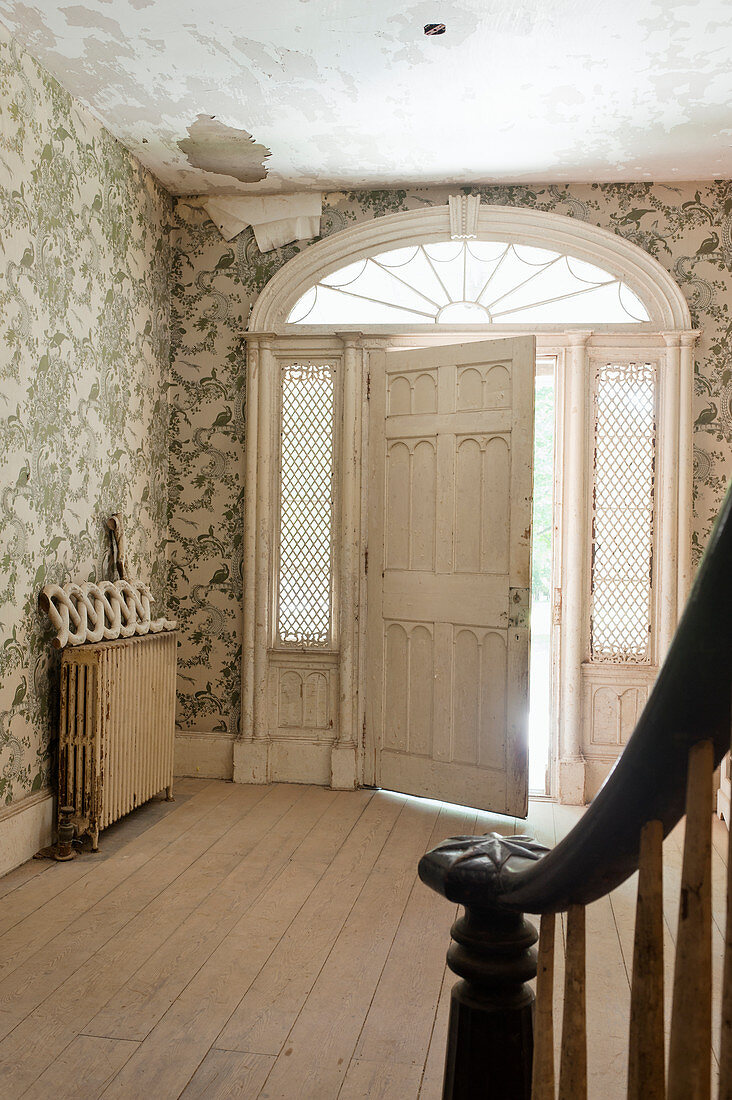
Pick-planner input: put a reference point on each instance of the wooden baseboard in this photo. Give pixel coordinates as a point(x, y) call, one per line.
point(580, 778)
point(25, 827)
point(204, 754)
point(284, 760)
point(297, 760)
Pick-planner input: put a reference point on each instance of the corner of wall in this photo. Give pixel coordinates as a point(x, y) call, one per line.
point(25, 827)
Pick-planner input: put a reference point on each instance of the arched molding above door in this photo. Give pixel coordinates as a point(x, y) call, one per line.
point(269, 747)
point(667, 308)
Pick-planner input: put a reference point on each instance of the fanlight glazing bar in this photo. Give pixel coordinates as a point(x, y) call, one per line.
point(455, 267)
point(559, 298)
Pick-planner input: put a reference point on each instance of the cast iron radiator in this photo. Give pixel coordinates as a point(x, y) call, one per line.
point(117, 727)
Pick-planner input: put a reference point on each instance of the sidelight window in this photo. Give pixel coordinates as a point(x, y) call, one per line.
point(305, 572)
point(623, 512)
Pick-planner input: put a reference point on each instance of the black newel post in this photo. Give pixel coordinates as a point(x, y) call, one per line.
point(490, 1036)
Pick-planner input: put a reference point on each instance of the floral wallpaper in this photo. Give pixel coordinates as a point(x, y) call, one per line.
point(84, 356)
point(687, 227)
point(105, 406)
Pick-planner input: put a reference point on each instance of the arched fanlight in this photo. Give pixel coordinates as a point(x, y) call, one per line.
point(469, 282)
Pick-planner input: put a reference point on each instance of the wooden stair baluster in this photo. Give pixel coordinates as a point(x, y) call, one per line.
point(689, 1069)
point(646, 1060)
point(573, 1063)
point(542, 1080)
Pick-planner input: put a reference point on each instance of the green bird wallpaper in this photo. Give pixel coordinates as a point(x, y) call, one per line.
point(686, 227)
point(84, 354)
point(123, 383)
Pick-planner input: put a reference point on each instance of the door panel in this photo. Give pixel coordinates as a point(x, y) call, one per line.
point(451, 436)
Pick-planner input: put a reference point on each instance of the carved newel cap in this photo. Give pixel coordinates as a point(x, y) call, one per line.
point(475, 871)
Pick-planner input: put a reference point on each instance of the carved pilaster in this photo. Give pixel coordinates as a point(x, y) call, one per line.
point(575, 582)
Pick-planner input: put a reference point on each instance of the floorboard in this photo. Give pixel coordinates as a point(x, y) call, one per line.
point(83, 1070)
point(226, 1075)
point(274, 943)
point(264, 1016)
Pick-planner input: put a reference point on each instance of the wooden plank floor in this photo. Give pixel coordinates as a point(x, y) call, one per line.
point(273, 943)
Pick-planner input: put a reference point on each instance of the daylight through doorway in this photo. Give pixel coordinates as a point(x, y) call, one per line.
point(540, 670)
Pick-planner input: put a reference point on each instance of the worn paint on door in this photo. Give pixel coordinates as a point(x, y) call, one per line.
point(450, 543)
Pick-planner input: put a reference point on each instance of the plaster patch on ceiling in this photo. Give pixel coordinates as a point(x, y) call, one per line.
point(224, 150)
point(79, 16)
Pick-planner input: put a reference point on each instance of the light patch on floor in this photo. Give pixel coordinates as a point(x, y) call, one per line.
point(275, 942)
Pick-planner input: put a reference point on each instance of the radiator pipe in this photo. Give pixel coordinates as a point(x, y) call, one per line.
point(66, 830)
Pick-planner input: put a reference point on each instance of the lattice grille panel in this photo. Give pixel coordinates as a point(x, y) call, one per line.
point(306, 505)
point(622, 546)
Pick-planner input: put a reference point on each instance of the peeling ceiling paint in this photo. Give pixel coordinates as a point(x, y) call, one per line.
point(348, 94)
point(225, 150)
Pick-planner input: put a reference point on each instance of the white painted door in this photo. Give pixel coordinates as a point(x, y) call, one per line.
point(451, 444)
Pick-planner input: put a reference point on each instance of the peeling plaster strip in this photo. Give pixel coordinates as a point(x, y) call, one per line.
point(276, 219)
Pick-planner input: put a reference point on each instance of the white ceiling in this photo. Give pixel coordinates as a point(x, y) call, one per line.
point(351, 93)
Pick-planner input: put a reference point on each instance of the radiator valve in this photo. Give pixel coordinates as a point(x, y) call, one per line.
point(66, 829)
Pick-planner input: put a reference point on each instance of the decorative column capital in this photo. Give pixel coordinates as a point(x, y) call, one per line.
point(252, 356)
point(254, 336)
point(579, 339)
point(685, 338)
point(350, 339)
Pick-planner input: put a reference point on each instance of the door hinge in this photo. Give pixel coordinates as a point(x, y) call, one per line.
point(366, 563)
point(368, 386)
point(557, 607)
point(363, 731)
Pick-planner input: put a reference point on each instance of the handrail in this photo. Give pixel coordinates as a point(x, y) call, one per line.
point(690, 702)
point(497, 879)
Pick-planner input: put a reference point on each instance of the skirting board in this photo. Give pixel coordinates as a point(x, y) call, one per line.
point(25, 828)
point(299, 761)
point(581, 779)
point(284, 760)
point(204, 755)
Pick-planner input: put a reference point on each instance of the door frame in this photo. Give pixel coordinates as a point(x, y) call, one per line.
point(341, 754)
point(335, 754)
point(583, 756)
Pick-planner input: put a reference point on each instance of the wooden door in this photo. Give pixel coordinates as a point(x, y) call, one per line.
point(451, 445)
